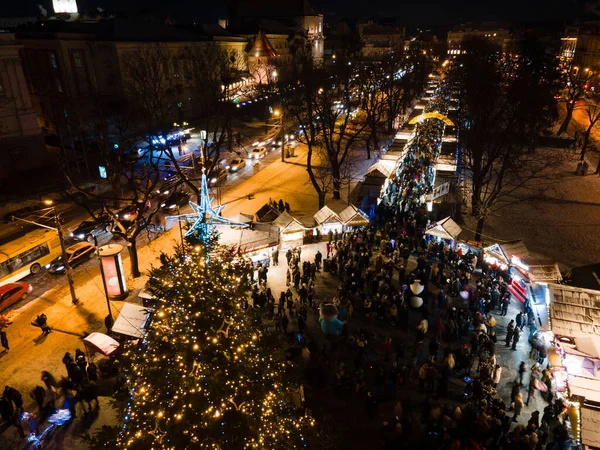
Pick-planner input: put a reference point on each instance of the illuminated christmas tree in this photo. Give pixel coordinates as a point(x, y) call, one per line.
point(207, 375)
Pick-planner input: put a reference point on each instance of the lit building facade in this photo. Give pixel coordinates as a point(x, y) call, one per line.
point(497, 35)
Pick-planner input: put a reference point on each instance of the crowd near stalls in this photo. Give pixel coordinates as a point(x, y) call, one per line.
point(415, 311)
point(416, 335)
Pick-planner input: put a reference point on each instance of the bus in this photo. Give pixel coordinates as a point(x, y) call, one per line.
point(27, 254)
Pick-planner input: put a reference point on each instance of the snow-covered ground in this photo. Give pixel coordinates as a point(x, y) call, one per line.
point(562, 221)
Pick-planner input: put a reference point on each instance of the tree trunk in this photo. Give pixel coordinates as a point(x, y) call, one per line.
point(567, 120)
point(321, 199)
point(337, 179)
point(586, 141)
point(368, 145)
point(480, 223)
point(133, 257)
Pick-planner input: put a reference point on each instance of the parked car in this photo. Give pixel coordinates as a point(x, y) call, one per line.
point(76, 254)
point(174, 200)
point(258, 153)
point(13, 292)
point(89, 228)
point(237, 164)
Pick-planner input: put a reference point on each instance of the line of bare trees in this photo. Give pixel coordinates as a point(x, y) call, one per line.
point(348, 105)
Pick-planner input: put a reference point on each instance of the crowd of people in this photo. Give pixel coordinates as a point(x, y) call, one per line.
point(444, 307)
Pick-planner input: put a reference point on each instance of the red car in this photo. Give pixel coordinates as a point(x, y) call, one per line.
point(13, 292)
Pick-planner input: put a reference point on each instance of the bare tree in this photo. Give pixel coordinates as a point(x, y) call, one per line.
point(498, 123)
point(576, 81)
point(592, 111)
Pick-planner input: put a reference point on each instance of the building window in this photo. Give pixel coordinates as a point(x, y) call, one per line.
point(80, 71)
point(320, 27)
point(53, 63)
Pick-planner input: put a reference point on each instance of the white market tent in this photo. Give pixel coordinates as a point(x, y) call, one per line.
point(288, 224)
point(101, 343)
point(133, 320)
point(384, 168)
point(445, 229)
point(325, 214)
point(589, 345)
point(352, 216)
point(242, 218)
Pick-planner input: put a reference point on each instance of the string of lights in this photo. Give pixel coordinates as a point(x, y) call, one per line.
point(207, 375)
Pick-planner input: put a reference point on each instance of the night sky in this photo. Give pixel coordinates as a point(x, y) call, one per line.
point(411, 12)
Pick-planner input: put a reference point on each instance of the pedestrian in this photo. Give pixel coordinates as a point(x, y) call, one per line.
point(532, 388)
point(510, 331)
point(516, 337)
point(285, 322)
point(518, 407)
point(505, 303)
point(4, 340)
point(14, 396)
point(42, 321)
point(275, 256)
point(522, 370)
point(496, 375)
point(8, 415)
point(92, 371)
point(38, 393)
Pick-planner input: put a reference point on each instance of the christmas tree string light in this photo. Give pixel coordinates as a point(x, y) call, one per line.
point(209, 375)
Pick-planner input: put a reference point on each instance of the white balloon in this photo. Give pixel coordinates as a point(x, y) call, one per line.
point(464, 295)
point(416, 302)
point(416, 287)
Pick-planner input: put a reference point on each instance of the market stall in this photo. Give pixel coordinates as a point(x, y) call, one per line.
point(446, 230)
point(352, 217)
point(290, 228)
point(133, 321)
point(100, 343)
point(257, 243)
point(327, 221)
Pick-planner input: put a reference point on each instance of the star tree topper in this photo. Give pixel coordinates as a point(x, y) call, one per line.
point(205, 217)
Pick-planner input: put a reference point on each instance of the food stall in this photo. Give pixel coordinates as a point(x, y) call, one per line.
point(256, 243)
point(290, 229)
point(353, 218)
point(446, 230)
point(327, 220)
point(504, 257)
point(133, 321)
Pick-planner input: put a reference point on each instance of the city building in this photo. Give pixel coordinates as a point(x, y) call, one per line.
point(587, 45)
point(21, 141)
point(494, 32)
point(380, 39)
point(304, 25)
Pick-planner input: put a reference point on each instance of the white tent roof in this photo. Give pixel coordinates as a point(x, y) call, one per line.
point(385, 167)
point(242, 218)
point(445, 229)
point(286, 222)
point(248, 240)
point(353, 215)
point(325, 214)
point(589, 345)
point(101, 343)
point(133, 320)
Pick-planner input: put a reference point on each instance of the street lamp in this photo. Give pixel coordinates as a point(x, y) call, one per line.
point(58, 229)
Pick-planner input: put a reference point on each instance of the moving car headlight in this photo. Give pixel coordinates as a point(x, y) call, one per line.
point(71, 234)
point(80, 236)
point(60, 267)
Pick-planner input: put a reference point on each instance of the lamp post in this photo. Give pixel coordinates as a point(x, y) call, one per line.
point(65, 259)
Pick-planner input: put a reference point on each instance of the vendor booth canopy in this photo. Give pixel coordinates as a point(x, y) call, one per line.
point(589, 345)
point(287, 223)
point(445, 229)
point(241, 218)
point(507, 250)
point(384, 168)
point(133, 321)
point(101, 343)
point(352, 216)
point(248, 240)
point(326, 214)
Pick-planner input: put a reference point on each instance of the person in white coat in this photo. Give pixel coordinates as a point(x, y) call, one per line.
point(497, 374)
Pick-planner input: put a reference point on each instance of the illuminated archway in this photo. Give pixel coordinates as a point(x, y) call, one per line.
point(431, 115)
